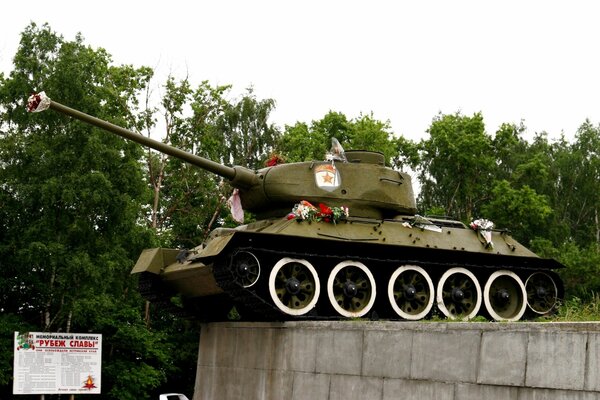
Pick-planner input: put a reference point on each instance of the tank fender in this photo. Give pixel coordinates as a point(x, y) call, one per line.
point(154, 260)
point(214, 246)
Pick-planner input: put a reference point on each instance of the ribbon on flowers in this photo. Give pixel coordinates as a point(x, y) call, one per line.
point(484, 228)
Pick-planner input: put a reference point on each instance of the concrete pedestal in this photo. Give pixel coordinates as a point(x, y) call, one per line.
point(398, 360)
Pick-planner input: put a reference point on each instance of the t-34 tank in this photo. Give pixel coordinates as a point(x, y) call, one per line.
point(340, 238)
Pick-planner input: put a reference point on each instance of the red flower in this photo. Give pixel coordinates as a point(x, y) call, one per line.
point(325, 210)
point(274, 160)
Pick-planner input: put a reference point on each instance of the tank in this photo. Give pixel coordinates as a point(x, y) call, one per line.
point(339, 238)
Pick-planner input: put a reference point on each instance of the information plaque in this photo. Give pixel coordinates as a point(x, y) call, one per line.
point(50, 363)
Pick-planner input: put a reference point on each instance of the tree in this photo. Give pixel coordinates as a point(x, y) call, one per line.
point(510, 150)
point(578, 185)
point(524, 212)
point(187, 200)
point(367, 133)
point(456, 165)
point(72, 199)
point(302, 142)
point(249, 137)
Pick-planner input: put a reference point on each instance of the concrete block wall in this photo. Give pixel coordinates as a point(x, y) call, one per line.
point(398, 360)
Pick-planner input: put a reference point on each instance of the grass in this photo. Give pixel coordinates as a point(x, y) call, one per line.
point(575, 309)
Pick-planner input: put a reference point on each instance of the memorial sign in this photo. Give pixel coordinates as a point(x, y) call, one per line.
point(51, 363)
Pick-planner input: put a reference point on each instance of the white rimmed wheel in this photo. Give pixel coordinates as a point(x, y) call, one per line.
point(458, 294)
point(504, 296)
point(351, 289)
point(410, 291)
point(294, 286)
point(542, 293)
point(246, 268)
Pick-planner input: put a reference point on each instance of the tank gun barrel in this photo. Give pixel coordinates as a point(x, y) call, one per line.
point(239, 176)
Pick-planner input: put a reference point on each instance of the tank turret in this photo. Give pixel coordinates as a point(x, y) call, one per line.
point(274, 190)
point(339, 238)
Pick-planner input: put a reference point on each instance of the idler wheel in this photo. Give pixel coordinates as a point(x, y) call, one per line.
point(504, 296)
point(410, 291)
point(246, 268)
point(458, 294)
point(542, 293)
point(294, 286)
point(351, 289)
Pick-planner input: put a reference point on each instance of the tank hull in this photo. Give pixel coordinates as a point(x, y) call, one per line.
point(284, 269)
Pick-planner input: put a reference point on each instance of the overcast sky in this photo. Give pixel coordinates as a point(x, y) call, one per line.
point(536, 61)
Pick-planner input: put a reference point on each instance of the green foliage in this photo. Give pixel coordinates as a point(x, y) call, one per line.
point(249, 137)
point(522, 210)
point(9, 324)
point(71, 201)
point(577, 174)
point(305, 143)
point(367, 133)
point(302, 142)
point(509, 149)
point(187, 201)
point(406, 154)
point(76, 192)
point(456, 164)
point(132, 381)
point(576, 309)
point(582, 275)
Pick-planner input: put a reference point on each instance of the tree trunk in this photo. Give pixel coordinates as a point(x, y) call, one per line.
point(147, 314)
point(49, 301)
point(67, 330)
point(69, 318)
point(597, 227)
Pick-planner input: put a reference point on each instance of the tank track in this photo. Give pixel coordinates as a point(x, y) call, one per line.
point(257, 307)
point(204, 309)
point(156, 292)
point(248, 302)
